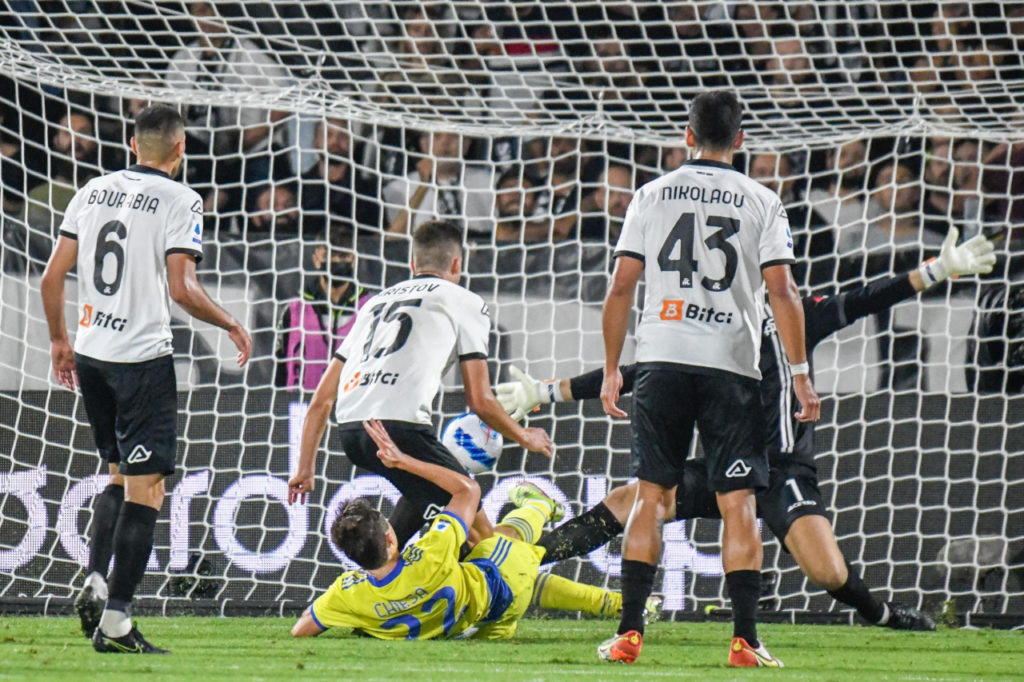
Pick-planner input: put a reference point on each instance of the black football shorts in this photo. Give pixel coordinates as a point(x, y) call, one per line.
point(133, 410)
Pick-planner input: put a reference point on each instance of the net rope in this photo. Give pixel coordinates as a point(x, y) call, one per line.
point(881, 125)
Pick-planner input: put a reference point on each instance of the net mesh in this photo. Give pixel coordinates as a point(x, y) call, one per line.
point(881, 124)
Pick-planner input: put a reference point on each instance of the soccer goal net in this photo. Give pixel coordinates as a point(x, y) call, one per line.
point(318, 130)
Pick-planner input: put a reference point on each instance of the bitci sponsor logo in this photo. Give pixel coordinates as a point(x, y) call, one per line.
point(678, 310)
point(98, 318)
point(379, 377)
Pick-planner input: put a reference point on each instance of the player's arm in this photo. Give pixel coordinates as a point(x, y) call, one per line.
point(481, 400)
point(302, 481)
point(187, 292)
point(825, 316)
point(464, 490)
point(614, 323)
point(788, 311)
point(63, 258)
point(521, 396)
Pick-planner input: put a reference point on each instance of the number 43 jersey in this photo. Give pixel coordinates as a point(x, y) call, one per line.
point(126, 224)
point(405, 338)
point(704, 232)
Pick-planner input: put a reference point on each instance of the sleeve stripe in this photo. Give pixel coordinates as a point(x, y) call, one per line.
point(69, 235)
point(340, 357)
point(631, 254)
point(462, 523)
point(779, 261)
point(472, 356)
point(315, 619)
point(198, 255)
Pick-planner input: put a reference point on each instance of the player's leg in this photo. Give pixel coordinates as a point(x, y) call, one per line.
point(556, 593)
point(147, 440)
point(662, 428)
point(99, 401)
point(795, 512)
point(729, 419)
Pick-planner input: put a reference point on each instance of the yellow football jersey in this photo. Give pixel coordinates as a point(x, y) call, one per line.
point(429, 593)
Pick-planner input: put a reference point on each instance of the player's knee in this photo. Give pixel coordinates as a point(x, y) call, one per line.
point(829, 575)
point(620, 501)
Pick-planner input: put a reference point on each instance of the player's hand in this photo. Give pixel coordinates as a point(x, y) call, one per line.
point(610, 387)
point(518, 397)
point(810, 404)
point(242, 341)
point(537, 440)
point(64, 363)
point(300, 486)
point(425, 168)
point(387, 452)
point(974, 257)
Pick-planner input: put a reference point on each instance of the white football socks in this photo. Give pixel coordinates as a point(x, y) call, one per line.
point(115, 623)
point(98, 584)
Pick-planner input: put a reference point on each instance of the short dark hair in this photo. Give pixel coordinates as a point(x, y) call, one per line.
point(715, 119)
point(435, 244)
point(360, 531)
point(160, 120)
point(520, 175)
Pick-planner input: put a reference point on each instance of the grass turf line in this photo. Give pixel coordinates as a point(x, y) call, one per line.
point(260, 648)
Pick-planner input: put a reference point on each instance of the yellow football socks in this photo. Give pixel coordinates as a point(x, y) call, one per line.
point(555, 592)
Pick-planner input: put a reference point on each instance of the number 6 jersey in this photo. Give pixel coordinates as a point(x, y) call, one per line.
point(403, 342)
point(704, 231)
point(126, 224)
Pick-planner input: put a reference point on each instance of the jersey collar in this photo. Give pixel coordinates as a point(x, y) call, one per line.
point(139, 168)
point(708, 162)
point(386, 580)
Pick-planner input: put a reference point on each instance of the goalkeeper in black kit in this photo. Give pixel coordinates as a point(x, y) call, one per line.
point(792, 505)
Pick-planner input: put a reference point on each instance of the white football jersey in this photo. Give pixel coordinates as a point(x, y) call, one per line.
point(126, 224)
point(704, 231)
point(405, 338)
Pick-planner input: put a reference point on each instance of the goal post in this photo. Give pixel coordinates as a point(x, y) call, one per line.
point(312, 125)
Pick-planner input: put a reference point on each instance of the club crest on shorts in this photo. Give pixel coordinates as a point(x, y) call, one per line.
point(737, 469)
point(139, 454)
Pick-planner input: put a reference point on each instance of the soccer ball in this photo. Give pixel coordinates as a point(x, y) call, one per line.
point(476, 445)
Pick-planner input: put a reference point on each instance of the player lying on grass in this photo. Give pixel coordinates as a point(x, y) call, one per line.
point(792, 506)
point(425, 592)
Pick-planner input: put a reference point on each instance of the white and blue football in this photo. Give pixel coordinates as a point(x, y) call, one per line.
point(476, 445)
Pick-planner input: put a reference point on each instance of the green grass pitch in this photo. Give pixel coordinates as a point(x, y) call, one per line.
point(260, 648)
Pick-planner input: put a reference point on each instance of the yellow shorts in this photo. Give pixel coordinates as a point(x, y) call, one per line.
point(519, 568)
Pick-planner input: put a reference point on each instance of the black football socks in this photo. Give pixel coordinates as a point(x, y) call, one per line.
point(133, 542)
point(581, 535)
point(105, 512)
point(744, 591)
point(856, 594)
point(637, 583)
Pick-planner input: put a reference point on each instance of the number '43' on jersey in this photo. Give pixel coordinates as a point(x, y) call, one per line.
point(704, 232)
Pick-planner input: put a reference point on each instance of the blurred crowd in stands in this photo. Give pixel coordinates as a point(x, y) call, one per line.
point(859, 206)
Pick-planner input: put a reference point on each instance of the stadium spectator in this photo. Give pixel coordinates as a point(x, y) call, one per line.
point(515, 204)
point(73, 162)
point(672, 158)
point(843, 202)
point(442, 186)
point(975, 208)
point(225, 144)
point(331, 190)
point(937, 179)
point(276, 213)
point(557, 160)
point(605, 208)
point(812, 239)
point(898, 225)
point(314, 324)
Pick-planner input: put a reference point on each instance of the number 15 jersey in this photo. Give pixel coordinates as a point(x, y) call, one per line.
point(403, 342)
point(704, 232)
point(126, 224)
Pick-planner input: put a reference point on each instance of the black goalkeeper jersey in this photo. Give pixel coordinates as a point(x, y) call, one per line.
point(786, 439)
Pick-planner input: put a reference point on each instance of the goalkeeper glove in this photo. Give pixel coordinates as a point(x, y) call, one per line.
point(974, 257)
point(521, 396)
